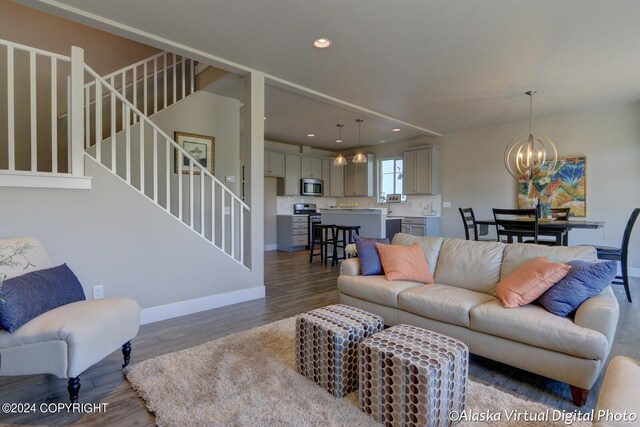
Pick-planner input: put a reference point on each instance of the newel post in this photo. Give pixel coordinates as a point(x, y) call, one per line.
point(77, 111)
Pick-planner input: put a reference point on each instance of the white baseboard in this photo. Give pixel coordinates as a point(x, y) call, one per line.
point(182, 308)
point(272, 247)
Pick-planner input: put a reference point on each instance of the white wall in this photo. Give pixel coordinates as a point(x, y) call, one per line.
point(474, 174)
point(270, 213)
point(111, 236)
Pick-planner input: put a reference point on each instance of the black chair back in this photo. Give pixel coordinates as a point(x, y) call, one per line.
point(509, 226)
point(469, 221)
point(626, 238)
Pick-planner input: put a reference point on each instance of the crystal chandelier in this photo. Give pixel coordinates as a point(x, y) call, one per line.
point(340, 160)
point(525, 156)
point(359, 157)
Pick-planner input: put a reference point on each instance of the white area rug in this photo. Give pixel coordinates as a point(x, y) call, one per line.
point(249, 379)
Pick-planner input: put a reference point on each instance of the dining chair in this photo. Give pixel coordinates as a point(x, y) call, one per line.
point(558, 237)
point(508, 225)
point(621, 254)
point(469, 222)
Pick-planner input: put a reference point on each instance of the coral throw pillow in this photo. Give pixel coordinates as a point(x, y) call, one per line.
point(404, 263)
point(527, 282)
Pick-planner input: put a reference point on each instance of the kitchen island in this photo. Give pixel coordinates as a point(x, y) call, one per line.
point(372, 221)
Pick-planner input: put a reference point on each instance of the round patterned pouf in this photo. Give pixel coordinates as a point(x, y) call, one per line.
point(412, 377)
point(327, 345)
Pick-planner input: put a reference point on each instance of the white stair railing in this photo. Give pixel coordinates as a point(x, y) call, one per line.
point(149, 160)
point(27, 121)
point(151, 85)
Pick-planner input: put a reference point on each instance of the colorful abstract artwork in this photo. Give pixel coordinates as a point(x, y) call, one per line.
point(562, 188)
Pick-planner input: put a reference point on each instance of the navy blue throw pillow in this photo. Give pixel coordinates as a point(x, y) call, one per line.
point(25, 297)
point(584, 280)
point(370, 264)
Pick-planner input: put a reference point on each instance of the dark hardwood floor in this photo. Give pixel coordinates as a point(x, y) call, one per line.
point(293, 286)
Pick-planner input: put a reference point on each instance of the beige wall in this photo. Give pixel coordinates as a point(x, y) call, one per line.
point(270, 212)
point(474, 174)
point(104, 52)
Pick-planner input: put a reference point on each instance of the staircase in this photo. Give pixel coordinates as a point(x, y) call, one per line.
point(107, 118)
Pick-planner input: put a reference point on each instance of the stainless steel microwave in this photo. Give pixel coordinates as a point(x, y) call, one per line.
point(311, 187)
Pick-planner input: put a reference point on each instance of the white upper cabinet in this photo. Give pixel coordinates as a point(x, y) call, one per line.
point(311, 167)
point(359, 178)
point(273, 164)
point(336, 186)
point(421, 171)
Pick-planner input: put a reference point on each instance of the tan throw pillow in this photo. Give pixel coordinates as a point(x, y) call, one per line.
point(530, 280)
point(404, 263)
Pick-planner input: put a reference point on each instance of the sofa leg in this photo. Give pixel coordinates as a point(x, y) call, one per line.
point(74, 389)
point(579, 395)
point(126, 352)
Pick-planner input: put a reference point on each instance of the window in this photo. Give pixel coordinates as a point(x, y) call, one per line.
point(390, 178)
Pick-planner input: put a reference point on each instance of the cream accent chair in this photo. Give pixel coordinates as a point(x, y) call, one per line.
point(620, 393)
point(69, 339)
point(463, 304)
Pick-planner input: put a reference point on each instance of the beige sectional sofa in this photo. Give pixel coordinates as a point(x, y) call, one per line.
point(463, 305)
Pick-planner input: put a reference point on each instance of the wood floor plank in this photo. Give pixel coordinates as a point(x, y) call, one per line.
point(293, 286)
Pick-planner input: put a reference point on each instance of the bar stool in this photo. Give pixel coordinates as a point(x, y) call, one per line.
point(320, 237)
point(342, 241)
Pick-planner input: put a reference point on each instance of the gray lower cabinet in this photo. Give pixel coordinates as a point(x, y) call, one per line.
point(421, 226)
point(293, 232)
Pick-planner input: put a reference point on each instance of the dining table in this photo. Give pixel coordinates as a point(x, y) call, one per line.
point(554, 226)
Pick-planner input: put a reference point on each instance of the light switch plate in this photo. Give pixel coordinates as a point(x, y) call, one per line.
point(446, 204)
point(230, 178)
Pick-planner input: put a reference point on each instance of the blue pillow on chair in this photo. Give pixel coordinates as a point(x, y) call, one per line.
point(584, 280)
point(25, 297)
point(370, 264)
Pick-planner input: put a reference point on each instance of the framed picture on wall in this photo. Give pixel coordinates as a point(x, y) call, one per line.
point(200, 147)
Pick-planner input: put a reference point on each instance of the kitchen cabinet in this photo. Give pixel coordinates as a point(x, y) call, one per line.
point(336, 186)
point(359, 178)
point(311, 167)
point(326, 175)
point(421, 226)
point(293, 232)
point(421, 171)
point(290, 185)
point(273, 164)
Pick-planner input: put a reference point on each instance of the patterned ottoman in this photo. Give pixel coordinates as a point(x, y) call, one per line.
point(327, 345)
point(411, 376)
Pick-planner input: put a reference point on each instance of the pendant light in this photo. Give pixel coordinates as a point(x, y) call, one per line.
point(340, 160)
point(526, 155)
point(359, 157)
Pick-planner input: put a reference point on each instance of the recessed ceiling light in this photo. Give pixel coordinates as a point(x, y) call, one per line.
point(265, 118)
point(338, 141)
point(381, 141)
point(322, 43)
point(311, 135)
point(395, 130)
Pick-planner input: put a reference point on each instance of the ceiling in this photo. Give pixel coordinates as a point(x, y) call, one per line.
point(445, 66)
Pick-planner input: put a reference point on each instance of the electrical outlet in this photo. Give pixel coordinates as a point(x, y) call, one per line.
point(446, 204)
point(98, 292)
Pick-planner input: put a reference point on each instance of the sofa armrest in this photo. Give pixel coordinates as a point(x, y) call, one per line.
point(350, 267)
point(600, 313)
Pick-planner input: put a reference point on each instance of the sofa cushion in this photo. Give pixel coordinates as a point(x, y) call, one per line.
point(430, 246)
point(21, 255)
point(470, 265)
point(535, 326)
point(370, 264)
point(442, 302)
point(619, 392)
point(404, 263)
point(519, 253)
point(584, 280)
point(374, 288)
point(530, 280)
point(25, 297)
